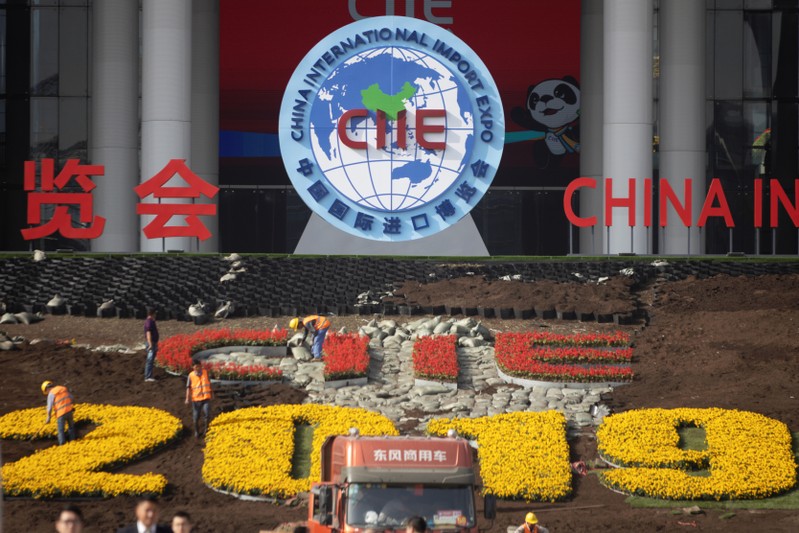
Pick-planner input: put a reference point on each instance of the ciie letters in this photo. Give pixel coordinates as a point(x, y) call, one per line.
point(715, 203)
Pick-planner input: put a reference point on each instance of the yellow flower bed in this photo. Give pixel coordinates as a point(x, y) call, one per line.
point(249, 451)
point(74, 469)
point(748, 455)
point(522, 455)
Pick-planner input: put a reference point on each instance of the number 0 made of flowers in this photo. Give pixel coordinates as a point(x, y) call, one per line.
point(522, 455)
point(748, 455)
point(249, 451)
point(75, 469)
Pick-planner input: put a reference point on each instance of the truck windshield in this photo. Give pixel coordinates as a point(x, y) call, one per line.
point(370, 505)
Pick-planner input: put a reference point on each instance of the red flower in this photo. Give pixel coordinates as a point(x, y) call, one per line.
point(175, 353)
point(546, 356)
point(346, 356)
point(435, 358)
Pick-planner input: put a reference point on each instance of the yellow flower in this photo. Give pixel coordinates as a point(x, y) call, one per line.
point(748, 455)
point(249, 451)
point(123, 434)
point(522, 455)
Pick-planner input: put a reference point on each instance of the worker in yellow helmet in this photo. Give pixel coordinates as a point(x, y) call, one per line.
point(531, 525)
point(59, 400)
point(316, 325)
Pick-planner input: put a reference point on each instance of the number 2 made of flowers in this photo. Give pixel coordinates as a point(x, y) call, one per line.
point(748, 455)
point(123, 434)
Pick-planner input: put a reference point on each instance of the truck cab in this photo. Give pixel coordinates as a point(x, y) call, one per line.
point(374, 484)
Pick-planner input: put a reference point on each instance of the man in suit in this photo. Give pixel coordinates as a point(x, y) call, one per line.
point(147, 511)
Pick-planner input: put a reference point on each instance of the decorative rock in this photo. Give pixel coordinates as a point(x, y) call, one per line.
point(431, 389)
point(301, 353)
point(8, 318)
point(470, 342)
point(467, 323)
point(296, 340)
point(27, 318)
point(442, 327)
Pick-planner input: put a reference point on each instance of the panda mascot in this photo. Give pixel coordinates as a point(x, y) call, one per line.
point(553, 108)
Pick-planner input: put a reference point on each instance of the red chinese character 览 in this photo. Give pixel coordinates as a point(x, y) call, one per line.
point(61, 221)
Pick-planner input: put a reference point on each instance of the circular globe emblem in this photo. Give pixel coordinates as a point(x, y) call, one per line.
point(391, 129)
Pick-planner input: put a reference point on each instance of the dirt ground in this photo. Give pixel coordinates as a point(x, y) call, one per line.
point(725, 341)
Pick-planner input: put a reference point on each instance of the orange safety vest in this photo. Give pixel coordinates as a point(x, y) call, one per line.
point(528, 529)
point(200, 386)
point(320, 321)
point(62, 403)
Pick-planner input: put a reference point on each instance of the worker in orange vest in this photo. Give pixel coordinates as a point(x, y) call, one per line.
point(316, 325)
point(59, 401)
point(531, 525)
point(198, 391)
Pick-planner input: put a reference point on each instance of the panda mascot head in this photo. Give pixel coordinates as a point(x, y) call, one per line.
point(554, 103)
point(553, 108)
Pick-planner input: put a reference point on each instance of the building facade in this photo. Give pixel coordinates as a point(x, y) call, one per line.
point(669, 90)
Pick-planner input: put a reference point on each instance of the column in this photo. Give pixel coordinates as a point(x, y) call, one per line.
point(627, 129)
point(205, 105)
point(591, 66)
point(166, 103)
point(114, 133)
point(682, 116)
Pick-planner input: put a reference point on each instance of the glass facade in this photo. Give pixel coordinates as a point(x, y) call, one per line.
point(752, 125)
point(752, 96)
point(44, 102)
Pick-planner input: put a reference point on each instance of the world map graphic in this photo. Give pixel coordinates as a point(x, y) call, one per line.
point(391, 79)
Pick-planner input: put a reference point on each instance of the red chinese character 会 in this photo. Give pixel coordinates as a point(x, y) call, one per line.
point(164, 212)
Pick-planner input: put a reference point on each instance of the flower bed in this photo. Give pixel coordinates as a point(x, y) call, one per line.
point(522, 455)
point(748, 455)
point(249, 451)
point(233, 372)
point(346, 356)
point(575, 354)
point(175, 353)
point(584, 358)
point(123, 434)
point(541, 338)
point(434, 358)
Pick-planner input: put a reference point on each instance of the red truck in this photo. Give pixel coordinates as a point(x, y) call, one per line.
point(376, 483)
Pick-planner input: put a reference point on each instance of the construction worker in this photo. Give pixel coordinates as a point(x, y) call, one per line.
point(198, 390)
point(59, 400)
point(315, 324)
point(531, 525)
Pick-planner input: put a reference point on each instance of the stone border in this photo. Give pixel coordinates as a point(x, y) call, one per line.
point(276, 352)
point(263, 351)
point(230, 381)
point(338, 383)
point(530, 383)
point(421, 382)
point(247, 497)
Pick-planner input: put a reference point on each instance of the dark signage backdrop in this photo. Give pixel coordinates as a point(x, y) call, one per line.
point(531, 48)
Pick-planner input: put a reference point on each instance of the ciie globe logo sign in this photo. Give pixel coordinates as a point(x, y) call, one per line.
point(391, 128)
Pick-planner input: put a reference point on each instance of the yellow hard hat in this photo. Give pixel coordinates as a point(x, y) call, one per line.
point(531, 519)
point(46, 384)
point(295, 323)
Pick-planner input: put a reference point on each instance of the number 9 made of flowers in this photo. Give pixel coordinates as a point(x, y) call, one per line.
point(748, 455)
